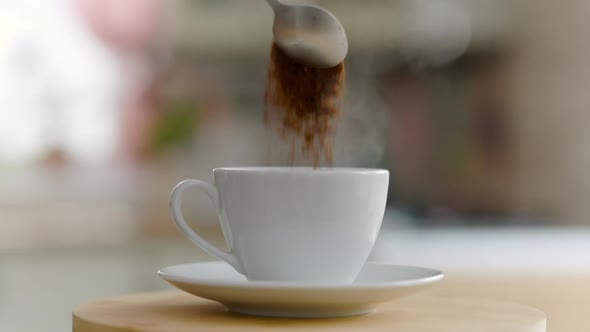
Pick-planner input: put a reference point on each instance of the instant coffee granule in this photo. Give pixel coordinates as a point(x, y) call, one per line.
point(303, 102)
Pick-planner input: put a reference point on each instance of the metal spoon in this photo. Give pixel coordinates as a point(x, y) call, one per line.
point(309, 34)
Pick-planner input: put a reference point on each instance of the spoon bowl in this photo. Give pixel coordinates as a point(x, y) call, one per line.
point(309, 34)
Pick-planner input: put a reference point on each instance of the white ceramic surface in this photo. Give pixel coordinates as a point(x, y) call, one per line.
point(376, 283)
point(293, 224)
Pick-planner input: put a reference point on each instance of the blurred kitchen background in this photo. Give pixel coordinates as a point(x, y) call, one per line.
point(479, 108)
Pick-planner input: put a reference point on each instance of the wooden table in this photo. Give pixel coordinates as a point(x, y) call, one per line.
point(179, 312)
point(565, 299)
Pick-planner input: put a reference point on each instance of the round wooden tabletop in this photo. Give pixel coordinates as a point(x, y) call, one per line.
point(180, 312)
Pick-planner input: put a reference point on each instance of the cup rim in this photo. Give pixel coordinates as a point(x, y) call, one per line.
point(301, 170)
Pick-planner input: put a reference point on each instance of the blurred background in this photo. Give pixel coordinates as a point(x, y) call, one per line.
point(477, 107)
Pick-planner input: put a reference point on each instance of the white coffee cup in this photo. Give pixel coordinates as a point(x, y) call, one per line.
point(293, 223)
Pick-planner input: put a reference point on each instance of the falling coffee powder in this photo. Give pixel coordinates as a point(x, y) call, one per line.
point(303, 102)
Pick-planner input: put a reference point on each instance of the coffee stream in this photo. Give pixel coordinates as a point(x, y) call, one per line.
point(302, 103)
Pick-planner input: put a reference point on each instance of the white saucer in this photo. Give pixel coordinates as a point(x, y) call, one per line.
point(375, 284)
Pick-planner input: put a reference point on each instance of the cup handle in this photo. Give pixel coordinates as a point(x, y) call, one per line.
point(176, 211)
